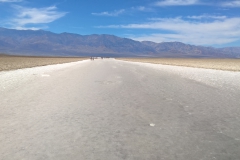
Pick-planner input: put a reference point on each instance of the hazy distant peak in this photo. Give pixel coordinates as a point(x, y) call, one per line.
point(40, 42)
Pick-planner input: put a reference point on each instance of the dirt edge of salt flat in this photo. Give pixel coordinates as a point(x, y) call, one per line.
point(212, 77)
point(12, 78)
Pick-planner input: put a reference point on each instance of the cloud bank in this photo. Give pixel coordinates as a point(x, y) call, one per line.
point(176, 2)
point(114, 13)
point(11, 1)
point(235, 3)
point(34, 16)
point(220, 30)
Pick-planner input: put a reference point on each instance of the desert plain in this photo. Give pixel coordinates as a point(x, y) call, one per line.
point(18, 62)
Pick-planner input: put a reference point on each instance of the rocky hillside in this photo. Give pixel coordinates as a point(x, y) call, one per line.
point(40, 42)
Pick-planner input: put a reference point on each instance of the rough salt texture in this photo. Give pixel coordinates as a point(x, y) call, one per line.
point(10, 79)
point(219, 64)
point(216, 78)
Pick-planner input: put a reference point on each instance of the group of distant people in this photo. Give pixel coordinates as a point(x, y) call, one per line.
point(92, 58)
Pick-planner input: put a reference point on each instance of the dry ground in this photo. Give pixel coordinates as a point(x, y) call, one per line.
point(219, 64)
point(18, 62)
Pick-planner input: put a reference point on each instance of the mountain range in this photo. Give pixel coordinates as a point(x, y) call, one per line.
point(45, 43)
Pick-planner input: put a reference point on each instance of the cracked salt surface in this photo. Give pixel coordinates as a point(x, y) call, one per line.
point(12, 79)
point(216, 78)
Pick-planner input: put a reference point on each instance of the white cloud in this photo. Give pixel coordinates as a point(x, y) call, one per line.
point(176, 2)
point(235, 3)
point(206, 17)
point(114, 13)
point(142, 9)
point(218, 31)
point(11, 0)
point(34, 16)
point(29, 28)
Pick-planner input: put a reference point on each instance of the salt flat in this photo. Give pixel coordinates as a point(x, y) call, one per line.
point(217, 78)
point(112, 109)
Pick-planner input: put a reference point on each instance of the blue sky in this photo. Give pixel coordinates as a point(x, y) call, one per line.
point(199, 22)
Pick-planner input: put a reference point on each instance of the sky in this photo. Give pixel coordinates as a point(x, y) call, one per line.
point(199, 22)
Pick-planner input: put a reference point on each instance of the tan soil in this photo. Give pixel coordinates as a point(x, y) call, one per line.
point(219, 64)
point(18, 62)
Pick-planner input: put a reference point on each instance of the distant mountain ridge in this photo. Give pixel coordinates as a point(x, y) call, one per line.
point(40, 42)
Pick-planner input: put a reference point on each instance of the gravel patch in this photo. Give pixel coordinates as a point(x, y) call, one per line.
point(18, 62)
